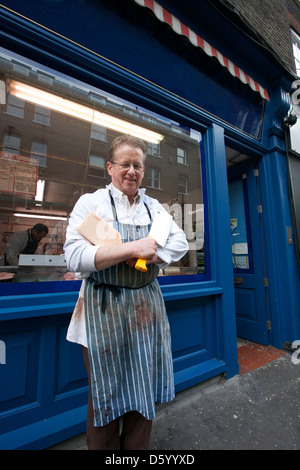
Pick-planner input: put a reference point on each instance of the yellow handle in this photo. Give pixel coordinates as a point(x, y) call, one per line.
point(140, 265)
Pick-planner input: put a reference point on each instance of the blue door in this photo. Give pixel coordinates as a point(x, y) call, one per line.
point(250, 282)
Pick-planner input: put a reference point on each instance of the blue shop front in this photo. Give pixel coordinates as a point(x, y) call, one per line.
point(74, 75)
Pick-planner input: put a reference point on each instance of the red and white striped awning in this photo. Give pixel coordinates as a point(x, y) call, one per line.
point(180, 28)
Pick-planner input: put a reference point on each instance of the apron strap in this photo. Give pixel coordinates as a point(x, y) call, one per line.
point(113, 207)
point(31, 245)
point(113, 289)
point(115, 211)
point(148, 210)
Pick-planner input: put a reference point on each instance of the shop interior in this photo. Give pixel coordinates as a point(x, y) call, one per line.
point(55, 138)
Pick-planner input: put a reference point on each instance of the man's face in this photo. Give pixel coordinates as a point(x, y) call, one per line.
point(127, 180)
point(37, 236)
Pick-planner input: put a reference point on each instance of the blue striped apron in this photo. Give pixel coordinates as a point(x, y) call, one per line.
point(128, 336)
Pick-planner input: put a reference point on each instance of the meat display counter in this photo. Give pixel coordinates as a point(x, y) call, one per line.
point(36, 268)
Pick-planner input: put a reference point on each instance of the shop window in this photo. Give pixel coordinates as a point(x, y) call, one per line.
point(98, 162)
point(181, 156)
point(296, 50)
point(153, 149)
point(21, 69)
point(11, 142)
point(39, 152)
point(58, 152)
point(153, 178)
point(15, 107)
point(182, 185)
point(240, 225)
point(42, 115)
point(97, 166)
point(98, 133)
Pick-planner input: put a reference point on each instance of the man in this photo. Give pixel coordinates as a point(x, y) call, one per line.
point(24, 242)
point(123, 327)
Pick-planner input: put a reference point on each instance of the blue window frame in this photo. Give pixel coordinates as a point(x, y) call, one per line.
point(70, 143)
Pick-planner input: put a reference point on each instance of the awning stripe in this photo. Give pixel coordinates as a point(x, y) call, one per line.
point(180, 28)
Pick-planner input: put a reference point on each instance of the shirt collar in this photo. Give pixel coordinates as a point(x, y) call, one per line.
point(121, 196)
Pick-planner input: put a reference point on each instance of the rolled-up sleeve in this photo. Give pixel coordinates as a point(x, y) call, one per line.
point(80, 253)
point(176, 246)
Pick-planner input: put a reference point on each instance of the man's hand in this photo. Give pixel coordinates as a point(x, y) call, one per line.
point(153, 260)
point(144, 248)
point(107, 256)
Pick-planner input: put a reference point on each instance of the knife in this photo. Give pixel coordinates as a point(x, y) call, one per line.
point(160, 230)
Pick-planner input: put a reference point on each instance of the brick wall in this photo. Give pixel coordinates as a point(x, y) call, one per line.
point(294, 14)
point(271, 21)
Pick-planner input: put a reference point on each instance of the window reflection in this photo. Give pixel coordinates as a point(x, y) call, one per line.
point(67, 155)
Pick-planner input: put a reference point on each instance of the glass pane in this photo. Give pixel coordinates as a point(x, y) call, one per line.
point(238, 224)
point(58, 151)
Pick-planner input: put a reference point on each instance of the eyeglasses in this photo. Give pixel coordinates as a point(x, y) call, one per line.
point(126, 166)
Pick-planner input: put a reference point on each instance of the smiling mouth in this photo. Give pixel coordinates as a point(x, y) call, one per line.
point(129, 180)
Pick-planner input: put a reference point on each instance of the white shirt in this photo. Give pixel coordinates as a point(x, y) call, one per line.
point(80, 253)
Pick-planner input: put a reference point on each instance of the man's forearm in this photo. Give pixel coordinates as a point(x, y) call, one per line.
point(107, 256)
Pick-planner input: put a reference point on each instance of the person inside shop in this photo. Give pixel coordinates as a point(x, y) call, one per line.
point(23, 242)
point(123, 327)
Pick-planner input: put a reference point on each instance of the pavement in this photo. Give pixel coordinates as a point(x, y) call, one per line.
point(258, 410)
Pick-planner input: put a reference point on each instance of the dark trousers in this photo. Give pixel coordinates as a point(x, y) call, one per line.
point(136, 430)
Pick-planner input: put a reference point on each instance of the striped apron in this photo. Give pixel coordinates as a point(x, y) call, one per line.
point(128, 337)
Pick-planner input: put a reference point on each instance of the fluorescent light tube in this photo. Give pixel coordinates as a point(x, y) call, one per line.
point(40, 186)
point(45, 217)
point(62, 105)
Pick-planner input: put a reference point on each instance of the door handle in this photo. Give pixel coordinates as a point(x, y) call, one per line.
point(239, 280)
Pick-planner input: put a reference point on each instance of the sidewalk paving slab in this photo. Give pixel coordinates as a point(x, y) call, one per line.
point(258, 410)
